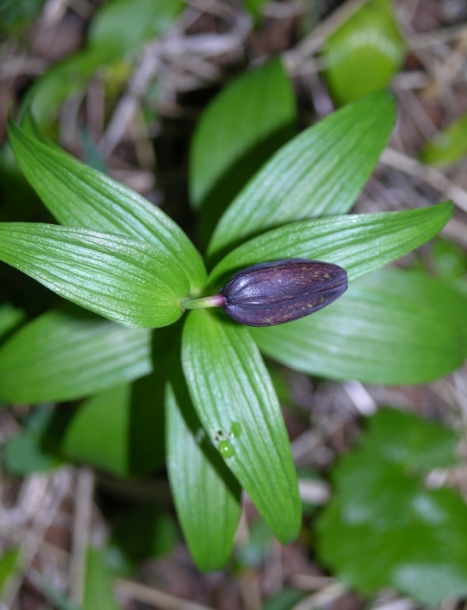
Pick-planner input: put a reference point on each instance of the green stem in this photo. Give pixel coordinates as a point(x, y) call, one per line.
point(215, 300)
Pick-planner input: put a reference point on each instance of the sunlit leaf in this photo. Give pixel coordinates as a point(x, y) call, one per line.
point(119, 278)
point(392, 327)
point(79, 196)
point(207, 496)
point(235, 400)
point(358, 243)
point(320, 172)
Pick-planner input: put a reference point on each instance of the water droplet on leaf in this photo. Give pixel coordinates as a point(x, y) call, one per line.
point(225, 449)
point(235, 429)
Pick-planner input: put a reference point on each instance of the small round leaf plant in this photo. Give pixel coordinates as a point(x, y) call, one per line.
point(285, 247)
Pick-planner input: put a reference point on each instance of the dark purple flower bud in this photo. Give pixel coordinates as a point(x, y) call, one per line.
point(281, 291)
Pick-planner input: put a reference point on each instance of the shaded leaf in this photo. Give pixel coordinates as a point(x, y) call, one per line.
point(7, 565)
point(320, 172)
point(97, 584)
point(10, 318)
point(236, 403)
point(365, 53)
point(79, 196)
point(394, 532)
point(207, 496)
point(448, 146)
point(145, 532)
point(125, 25)
point(117, 29)
point(24, 454)
point(393, 327)
point(121, 430)
point(120, 278)
point(359, 243)
point(229, 146)
point(64, 355)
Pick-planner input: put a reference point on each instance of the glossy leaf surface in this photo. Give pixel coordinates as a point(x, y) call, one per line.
point(392, 327)
point(365, 53)
point(236, 403)
point(320, 172)
point(206, 494)
point(119, 278)
point(359, 243)
point(419, 536)
point(63, 355)
point(79, 196)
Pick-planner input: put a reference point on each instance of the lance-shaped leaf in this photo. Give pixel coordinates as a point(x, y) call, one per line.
point(79, 196)
point(229, 146)
point(220, 146)
point(119, 278)
point(360, 243)
point(236, 403)
point(320, 172)
point(64, 355)
point(206, 494)
point(393, 327)
point(122, 429)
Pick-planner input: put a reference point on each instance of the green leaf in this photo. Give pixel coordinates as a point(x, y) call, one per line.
point(119, 278)
point(365, 53)
point(63, 355)
point(392, 327)
point(97, 434)
point(448, 146)
point(7, 565)
point(24, 454)
point(118, 28)
point(28, 451)
point(125, 25)
point(393, 532)
point(320, 172)
point(404, 439)
point(360, 243)
point(448, 260)
point(229, 146)
point(97, 586)
point(121, 430)
point(206, 495)
point(79, 196)
point(145, 532)
point(114, 431)
point(10, 318)
point(235, 401)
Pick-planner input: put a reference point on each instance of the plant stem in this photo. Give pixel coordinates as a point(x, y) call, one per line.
point(216, 300)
